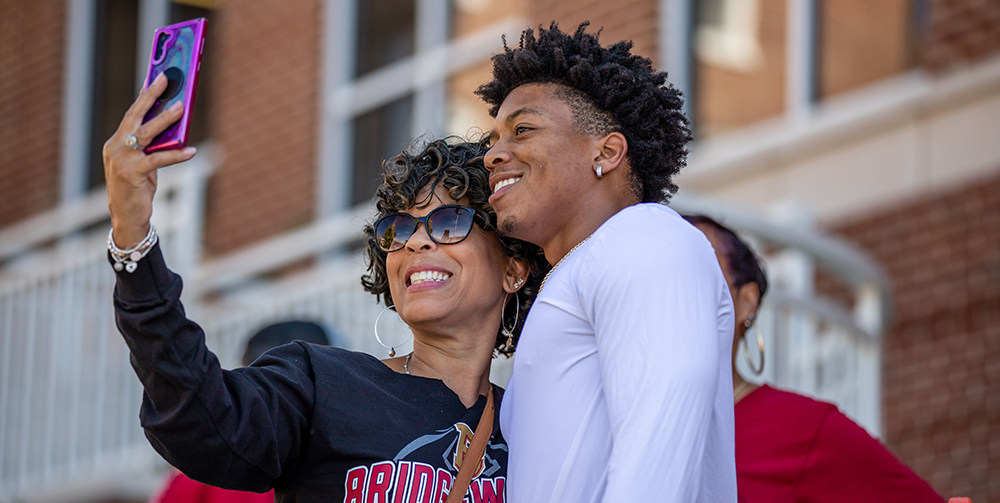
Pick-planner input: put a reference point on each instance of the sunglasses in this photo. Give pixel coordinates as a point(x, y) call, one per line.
point(446, 225)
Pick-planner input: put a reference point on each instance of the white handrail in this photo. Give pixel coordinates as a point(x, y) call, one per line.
point(310, 240)
point(845, 261)
point(68, 396)
point(92, 208)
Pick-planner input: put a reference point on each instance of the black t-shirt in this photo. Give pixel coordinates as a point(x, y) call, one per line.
point(315, 423)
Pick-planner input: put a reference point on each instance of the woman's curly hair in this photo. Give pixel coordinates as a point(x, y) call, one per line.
point(457, 165)
point(642, 105)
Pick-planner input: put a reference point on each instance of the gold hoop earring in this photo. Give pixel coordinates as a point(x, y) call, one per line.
point(509, 332)
point(760, 346)
point(392, 349)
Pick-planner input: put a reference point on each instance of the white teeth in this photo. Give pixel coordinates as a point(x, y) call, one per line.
point(505, 182)
point(422, 276)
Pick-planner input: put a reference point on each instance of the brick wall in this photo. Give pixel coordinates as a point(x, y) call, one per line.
point(960, 31)
point(635, 20)
point(941, 363)
point(32, 39)
point(265, 118)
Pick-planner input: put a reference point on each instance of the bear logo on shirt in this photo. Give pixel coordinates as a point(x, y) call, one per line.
point(462, 450)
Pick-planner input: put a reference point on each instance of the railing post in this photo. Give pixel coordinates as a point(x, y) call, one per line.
point(868, 313)
point(793, 271)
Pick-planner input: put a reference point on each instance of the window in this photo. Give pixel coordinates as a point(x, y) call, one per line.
point(388, 70)
point(386, 34)
point(114, 67)
point(378, 136)
point(739, 69)
point(727, 34)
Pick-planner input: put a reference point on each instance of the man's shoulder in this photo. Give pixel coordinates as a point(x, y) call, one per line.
point(651, 229)
point(643, 211)
point(650, 219)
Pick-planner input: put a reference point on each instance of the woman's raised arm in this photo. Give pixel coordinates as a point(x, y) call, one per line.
point(129, 173)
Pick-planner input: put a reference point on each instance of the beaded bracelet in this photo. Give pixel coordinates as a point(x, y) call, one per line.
point(126, 259)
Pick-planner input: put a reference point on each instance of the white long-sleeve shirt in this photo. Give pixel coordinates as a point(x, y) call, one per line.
point(621, 389)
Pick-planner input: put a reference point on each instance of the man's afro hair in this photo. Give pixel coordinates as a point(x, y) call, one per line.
point(647, 110)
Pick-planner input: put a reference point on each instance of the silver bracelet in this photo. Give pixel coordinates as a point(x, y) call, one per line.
point(126, 259)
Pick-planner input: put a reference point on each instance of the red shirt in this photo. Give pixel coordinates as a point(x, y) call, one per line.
point(180, 489)
point(790, 448)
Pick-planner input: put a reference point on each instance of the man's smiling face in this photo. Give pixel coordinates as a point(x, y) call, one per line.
point(538, 162)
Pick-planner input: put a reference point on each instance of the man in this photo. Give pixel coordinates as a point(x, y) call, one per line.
point(621, 388)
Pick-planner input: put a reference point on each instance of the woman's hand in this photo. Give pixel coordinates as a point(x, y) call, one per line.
point(131, 174)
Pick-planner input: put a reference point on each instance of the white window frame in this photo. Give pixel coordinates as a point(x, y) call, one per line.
point(78, 83)
point(424, 75)
point(734, 44)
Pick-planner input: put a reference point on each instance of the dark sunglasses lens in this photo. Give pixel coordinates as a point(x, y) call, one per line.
point(451, 225)
point(391, 232)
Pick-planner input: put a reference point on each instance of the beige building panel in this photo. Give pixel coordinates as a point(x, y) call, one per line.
point(928, 144)
point(858, 177)
point(832, 183)
point(965, 143)
point(758, 192)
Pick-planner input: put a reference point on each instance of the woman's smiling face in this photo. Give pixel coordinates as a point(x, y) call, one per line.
point(447, 284)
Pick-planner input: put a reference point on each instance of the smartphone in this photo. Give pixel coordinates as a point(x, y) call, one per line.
point(177, 54)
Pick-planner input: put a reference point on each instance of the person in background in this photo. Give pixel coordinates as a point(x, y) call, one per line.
point(790, 448)
point(178, 487)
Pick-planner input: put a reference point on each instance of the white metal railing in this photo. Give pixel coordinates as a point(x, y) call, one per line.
point(68, 397)
point(813, 345)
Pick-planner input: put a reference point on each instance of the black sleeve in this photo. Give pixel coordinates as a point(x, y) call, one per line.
point(240, 429)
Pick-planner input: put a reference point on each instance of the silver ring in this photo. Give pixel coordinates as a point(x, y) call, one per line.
point(132, 142)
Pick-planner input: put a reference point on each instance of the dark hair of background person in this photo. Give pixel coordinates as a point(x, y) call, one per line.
point(283, 333)
point(608, 89)
point(743, 264)
point(456, 165)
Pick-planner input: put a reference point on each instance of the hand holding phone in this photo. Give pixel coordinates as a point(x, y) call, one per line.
point(176, 54)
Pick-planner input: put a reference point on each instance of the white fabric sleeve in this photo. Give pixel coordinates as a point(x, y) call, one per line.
point(654, 301)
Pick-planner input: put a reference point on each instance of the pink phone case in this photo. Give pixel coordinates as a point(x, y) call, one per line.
point(177, 52)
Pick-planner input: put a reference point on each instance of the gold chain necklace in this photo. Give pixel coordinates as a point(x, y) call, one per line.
point(566, 256)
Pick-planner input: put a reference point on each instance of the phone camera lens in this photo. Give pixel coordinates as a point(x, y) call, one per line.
point(161, 45)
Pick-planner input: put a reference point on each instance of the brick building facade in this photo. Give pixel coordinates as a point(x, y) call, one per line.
point(265, 119)
point(941, 354)
point(32, 36)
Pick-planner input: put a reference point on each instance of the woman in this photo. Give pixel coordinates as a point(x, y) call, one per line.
point(318, 423)
point(790, 448)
